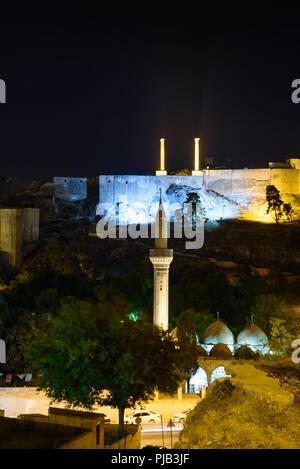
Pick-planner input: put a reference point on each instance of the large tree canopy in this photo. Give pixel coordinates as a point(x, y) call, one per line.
point(93, 354)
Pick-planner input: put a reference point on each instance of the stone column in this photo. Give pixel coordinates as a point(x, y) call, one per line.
point(196, 171)
point(162, 171)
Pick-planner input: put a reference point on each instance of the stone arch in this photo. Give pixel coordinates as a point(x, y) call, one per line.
point(217, 373)
point(197, 381)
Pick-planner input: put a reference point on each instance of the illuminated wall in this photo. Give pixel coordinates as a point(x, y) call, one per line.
point(138, 196)
point(224, 193)
point(70, 189)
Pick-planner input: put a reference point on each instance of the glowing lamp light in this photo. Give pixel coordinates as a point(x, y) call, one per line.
point(196, 171)
point(162, 171)
point(197, 154)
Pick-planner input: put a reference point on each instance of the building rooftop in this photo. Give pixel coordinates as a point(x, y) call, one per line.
point(75, 413)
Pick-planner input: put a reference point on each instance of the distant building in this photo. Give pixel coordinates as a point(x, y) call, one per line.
point(19, 230)
point(218, 333)
point(62, 429)
point(224, 193)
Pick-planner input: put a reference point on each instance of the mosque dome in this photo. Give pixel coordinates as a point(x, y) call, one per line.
point(217, 333)
point(220, 351)
point(201, 352)
point(244, 352)
point(254, 337)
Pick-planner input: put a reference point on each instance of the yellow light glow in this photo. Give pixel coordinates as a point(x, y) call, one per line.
point(258, 213)
point(197, 140)
point(162, 154)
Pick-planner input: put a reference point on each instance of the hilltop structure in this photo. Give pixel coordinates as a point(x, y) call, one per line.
point(224, 193)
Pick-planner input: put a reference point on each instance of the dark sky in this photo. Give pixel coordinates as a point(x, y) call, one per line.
point(91, 90)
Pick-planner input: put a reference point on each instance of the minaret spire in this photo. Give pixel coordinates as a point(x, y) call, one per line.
point(161, 241)
point(161, 258)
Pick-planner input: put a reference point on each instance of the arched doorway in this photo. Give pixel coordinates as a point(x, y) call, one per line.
point(219, 373)
point(197, 381)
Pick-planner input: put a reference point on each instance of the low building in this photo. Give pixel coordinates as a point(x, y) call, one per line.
point(61, 429)
point(19, 231)
point(91, 423)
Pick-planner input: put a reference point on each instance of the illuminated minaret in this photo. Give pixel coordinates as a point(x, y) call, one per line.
point(162, 171)
point(196, 171)
point(161, 258)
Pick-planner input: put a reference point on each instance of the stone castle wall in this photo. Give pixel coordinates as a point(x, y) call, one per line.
point(225, 193)
point(70, 189)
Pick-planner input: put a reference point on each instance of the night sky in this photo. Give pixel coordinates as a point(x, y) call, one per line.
point(92, 90)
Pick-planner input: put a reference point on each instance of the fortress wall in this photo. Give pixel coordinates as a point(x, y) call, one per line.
point(286, 180)
point(11, 234)
point(294, 163)
point(218, 180)
point(231, 181)
point(228, 181)
point(70, 189)
point(31, 224)
point(245, 187)
point(134, 189)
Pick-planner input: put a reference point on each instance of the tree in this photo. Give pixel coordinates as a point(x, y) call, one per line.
point(203, 319)
point(274, 202)
point(281, 338)
point(186, 326)
point(192, 325)
point(94, 355)
point(182, 172)
point(288, 212)
point(194, 199)
point(267, 307)
point(137, 286)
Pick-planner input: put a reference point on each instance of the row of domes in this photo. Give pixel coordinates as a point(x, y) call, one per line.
point(218, 332)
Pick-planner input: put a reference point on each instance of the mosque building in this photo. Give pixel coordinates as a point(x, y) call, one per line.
point(219, 333)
